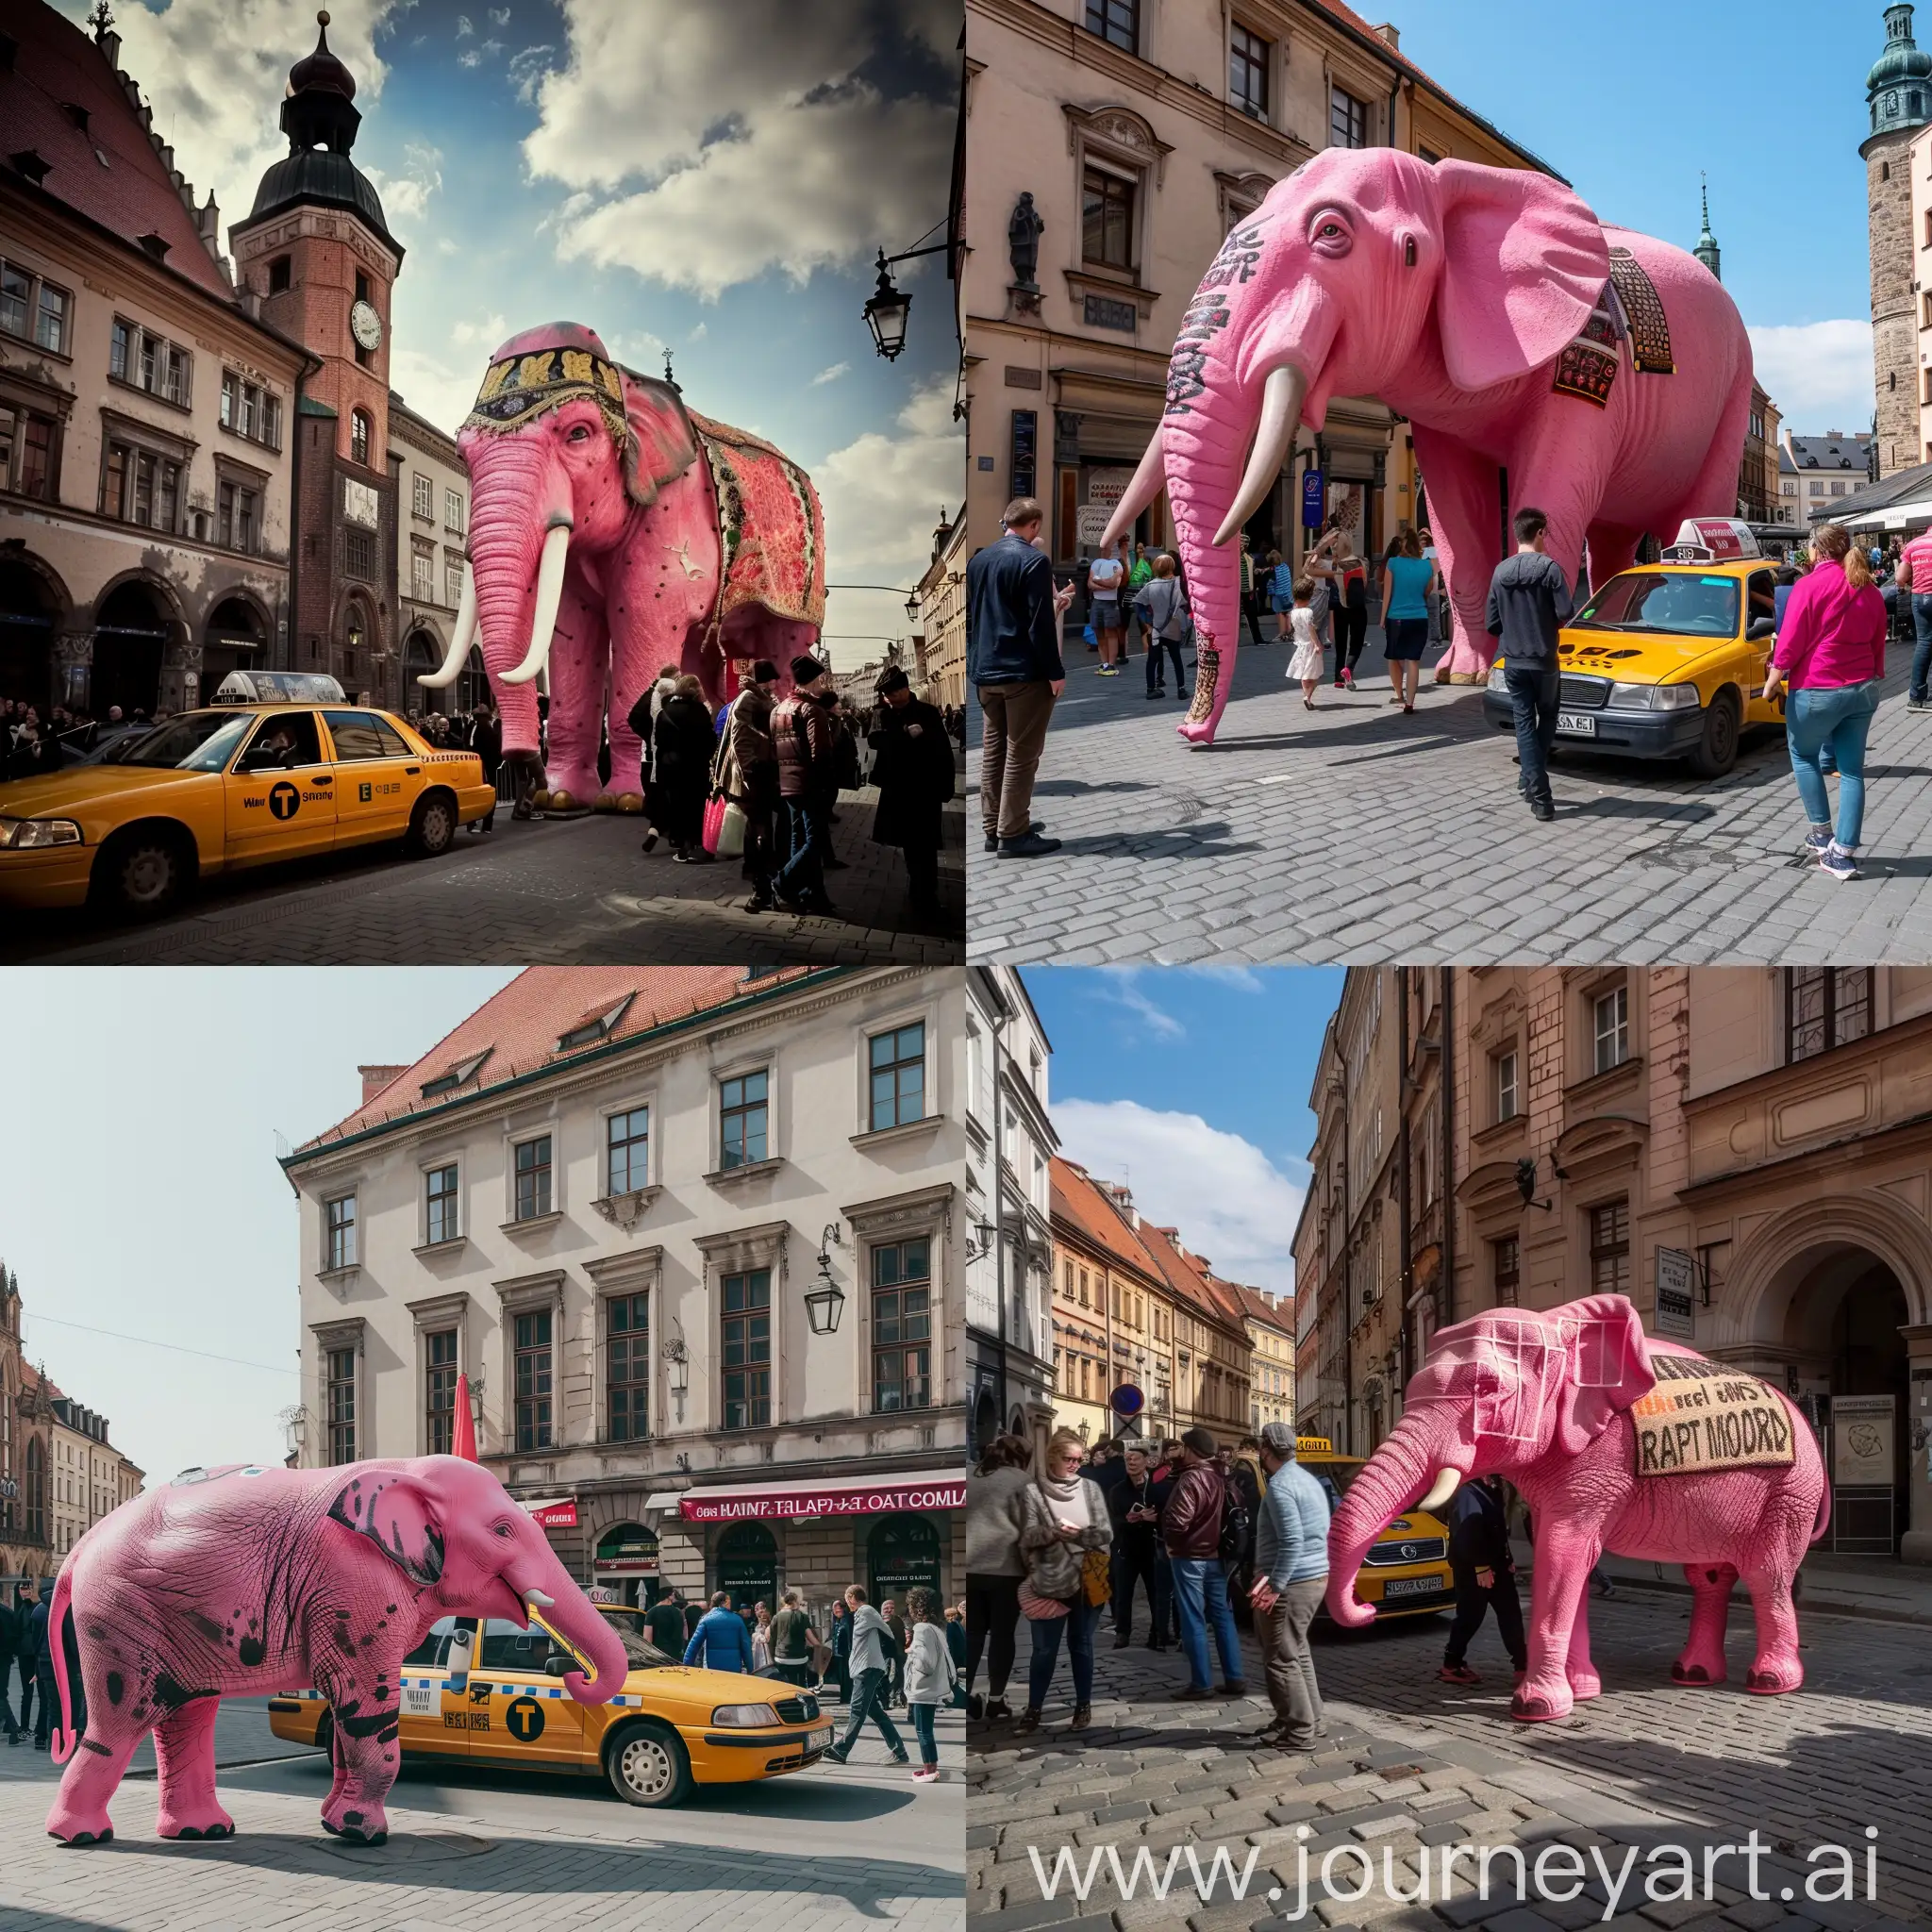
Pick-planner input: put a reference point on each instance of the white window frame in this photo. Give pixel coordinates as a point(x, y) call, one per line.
point(453, 511)
point(610, 1111)
point(1500, 1088)
point(890, 1019)
point(435, 1164)
point(1617, 1035)
point(514, 1138)
point(330, 1265)
point(767, 1064)
point(422, 498)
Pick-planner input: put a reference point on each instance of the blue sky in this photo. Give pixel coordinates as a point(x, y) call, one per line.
point(1191, 1086)
point(1769, 101)
point(147, 1200)
point(713, 179)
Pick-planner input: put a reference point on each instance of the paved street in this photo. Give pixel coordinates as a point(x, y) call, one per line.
point(540, 893)
point(1356, 834)
point(827, 1849)
point(1411, 1763)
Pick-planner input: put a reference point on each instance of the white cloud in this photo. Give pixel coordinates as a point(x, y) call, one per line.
point(724, 143)
point(700, 332)
point(831, 374)
point(1819, 373)
point(499, 16)
point(1121, 984)
point(440, 380)
point(527, 67)
point(1231, 1205)
point(464, 28)
point(482, 51)
point(406, 196)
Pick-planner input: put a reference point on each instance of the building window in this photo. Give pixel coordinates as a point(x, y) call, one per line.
point(902, 1325)
point(453, 512)
point(1504, 1264)
point(1247, 71)
point(238, 517)
point(452, 580)
point(1348, 120)
point(1609, 1248)
point(439, 1389)
point(533, 1379)
point(36, 1491)
point(340, 1222)
point(281, 274)
point(1502, 1083)
point(147, 361)
point(628, 1370)
point(533, 1179)
point(1825, 1006)
point(1118, 20)
point(743, 1120)
point(1108, 218)
point(627, 1151)
point(358, 437)
point(250, 410)
point(138, 487)
point(745, 1333)
point(341, 1404)
point(898, 1076)
point(420, 495)
point(441, 1222)
point(50, 318)
point(421, 573)
point(26, 453)
point(1610, 1018)
point(359, 555)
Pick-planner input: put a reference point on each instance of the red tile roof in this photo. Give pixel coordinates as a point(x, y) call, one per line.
point(1191, 1279)
point(1261, 1307)
point(1080, 1201)
point(519, 1028)
point(109, 170)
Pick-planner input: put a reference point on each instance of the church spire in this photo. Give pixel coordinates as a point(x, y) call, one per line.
point(1706, 250)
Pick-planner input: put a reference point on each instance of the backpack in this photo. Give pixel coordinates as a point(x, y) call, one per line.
point(1233, 1547)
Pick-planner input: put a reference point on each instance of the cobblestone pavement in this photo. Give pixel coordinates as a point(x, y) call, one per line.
point(1410, 1763)
point(540, 893)
point(828, 1850)
point(1358, 835)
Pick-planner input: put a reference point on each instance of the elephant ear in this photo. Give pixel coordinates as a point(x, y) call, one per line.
point(397, 1514)
point(1606, 1367)
point(659, 443)
point(1524, 263)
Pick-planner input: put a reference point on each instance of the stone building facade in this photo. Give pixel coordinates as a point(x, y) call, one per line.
point(941, 642)
point(1898, 93)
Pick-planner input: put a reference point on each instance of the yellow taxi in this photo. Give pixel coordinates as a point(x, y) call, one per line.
point(1666, 661)
point(254, 777)
point(1406, 1572)
point(671, 1728)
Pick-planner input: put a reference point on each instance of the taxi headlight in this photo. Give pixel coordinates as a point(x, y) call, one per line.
point(36, 835)
point(744, 1716)
point(1676, 698)
point(1497, 681)
point(1631, 697)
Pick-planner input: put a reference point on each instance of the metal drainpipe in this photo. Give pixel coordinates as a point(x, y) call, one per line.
point(999, 1213)
point(1446, 1299)
point(1347, 1283)
point(1403, 1204)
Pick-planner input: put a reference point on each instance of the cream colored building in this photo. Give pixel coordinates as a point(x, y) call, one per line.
point(1138, 131)
point(942, 644)
point(432, 528)
point(694, 1236)
point(1270, 1373)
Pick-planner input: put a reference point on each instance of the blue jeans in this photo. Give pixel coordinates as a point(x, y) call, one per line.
point(1534, 690)
point(922, 1716)
point(802, 875)
point(1079, 1623)
point(1837, 717)
point(869, 1701)
point(1201, 1591)
point(1922, 657)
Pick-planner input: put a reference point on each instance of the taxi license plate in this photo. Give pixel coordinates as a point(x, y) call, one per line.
point(819, 1739)
point(1410, 1586)
point(1575, 725)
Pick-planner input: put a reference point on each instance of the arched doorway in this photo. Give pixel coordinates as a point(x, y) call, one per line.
point(29, 613)
point(356, 650)
point(902, 1552)
point(130, 634)
point(627, 1561)
point(986, 1422)
point(748, 1565)
point(422, 655)
point(234, 638)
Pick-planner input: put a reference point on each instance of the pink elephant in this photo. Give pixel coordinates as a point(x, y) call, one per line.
point(1606, 372)
point(245, 1581)
point(1569, 1403)
point(612, 532)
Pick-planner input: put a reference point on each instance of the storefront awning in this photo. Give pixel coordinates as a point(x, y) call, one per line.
point(552, 1512)
point(939, 1488)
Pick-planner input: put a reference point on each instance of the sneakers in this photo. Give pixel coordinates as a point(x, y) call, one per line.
point(1233, 1688)
point(1158, 691)
point(1458, 1674)
point(835, 1754)
point(1082, 1717)
point(1840, 861)
point(1027, 845)
point(993, 839)
point(902, 1757)
point(1919, 704)
point(926, 1774)
point(1542, 809)
point(1817, 841)
point(650, 838)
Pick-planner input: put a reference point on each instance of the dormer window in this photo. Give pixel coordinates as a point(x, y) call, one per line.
point(587, 1031)
point(157, 245)
point(32, 164)
point(76, 113)
point(458, 1075)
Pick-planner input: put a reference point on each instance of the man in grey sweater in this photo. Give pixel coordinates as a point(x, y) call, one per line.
point(1529, 603)
point(1291, 1574)
point(873, 1653)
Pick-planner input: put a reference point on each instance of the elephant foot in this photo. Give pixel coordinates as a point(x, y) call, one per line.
point(197, 1831)
point(629, 802)
point(1467, 678)
point(605, 801)
point(1686, 1672)
point(199, 1821)
point(1201, 736)
point(563, 805)
point(363, 1824)
point(1774, 1680)
point(102, 1836)
point(1530, 1706)
point(80, 1825)
point(1584, 1685)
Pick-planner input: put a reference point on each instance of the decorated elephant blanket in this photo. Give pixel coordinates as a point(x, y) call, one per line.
point(771, 531)
point(1704, 1416)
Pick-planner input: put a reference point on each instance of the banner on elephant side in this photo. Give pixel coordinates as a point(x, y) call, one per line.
point(1703, 1416)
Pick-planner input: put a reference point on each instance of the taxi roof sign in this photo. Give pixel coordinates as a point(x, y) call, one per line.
point(278, 688)
point(1314, 1446)
point(1713, 540)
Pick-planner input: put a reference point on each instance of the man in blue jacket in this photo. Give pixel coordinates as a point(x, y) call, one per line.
point(719, 1642)
point(1291, 1575)
point(1013, 660)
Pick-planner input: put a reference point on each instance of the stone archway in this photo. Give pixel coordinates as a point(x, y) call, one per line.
point(234, 638)
point(134, 624)
point(34, 604)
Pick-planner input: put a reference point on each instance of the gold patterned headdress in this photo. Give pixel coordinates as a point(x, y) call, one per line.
point(520, 388)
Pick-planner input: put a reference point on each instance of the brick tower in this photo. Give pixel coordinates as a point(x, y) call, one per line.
point(317, 253)
point(1899, 92)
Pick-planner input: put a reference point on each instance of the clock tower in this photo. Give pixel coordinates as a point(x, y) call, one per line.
point(317, 259)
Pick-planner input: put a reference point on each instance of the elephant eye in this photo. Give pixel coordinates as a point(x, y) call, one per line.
point(581, 433)
point(1331, 236)
point(503, 1529)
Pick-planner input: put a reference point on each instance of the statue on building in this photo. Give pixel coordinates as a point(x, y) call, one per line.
point(1023, 243)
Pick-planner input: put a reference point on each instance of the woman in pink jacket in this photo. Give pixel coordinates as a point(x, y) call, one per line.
point(1830, 653)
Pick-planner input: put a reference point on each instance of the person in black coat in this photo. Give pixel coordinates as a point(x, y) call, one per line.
point(912, 767)
point(44, 1663)
point(10, 1637)
point(486, 740)
point(1485, 1574)
point(1134, 1504)
point(683, 738)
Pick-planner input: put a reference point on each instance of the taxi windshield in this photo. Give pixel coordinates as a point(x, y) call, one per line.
point(1334, 1477)
point(201, 741)
point(1682, 602)
point(629, 1624)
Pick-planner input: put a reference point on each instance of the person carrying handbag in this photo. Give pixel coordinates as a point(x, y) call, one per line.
point(931, 1678)
point(1065, 1538)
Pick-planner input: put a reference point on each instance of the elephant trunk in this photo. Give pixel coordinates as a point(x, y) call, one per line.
point(570, 1619)
point(1389, 1482)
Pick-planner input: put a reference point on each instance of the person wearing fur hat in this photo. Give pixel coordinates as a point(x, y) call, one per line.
point(912, 767)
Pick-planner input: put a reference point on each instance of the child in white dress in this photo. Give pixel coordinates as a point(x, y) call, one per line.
point(1306, 662)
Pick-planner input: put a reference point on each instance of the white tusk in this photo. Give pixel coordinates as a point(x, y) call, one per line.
point(536, 1600)
point(1281, 415)
point(1446, 1483)
point(1149, 480)
point(461, 637)
point(549, 596)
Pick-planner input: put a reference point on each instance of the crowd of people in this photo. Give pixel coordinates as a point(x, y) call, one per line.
point(42, 738)
point(24, 1646)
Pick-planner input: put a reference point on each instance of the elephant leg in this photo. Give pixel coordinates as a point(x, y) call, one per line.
point(366, 1706)
point(580, 676)
point(1465, 518)
point(185, 1751)
point(1558, 1588)
point(93, 1773)
point(1584, 1681)
point(1776, 1668)
point(1703, 1660)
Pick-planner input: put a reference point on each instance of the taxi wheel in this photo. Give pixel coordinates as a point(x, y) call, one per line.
point(433, 825)
point(325, 1733)
point(143, 871)
point(647, 1764)
point(1717, 750)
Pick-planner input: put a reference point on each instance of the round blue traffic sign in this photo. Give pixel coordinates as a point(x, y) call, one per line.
point(1127, 1400)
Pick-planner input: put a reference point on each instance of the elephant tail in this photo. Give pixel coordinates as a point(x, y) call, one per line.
point(65, 1652)
point(1823, 1522)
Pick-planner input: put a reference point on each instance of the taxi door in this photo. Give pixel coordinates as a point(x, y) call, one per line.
point(377, 777)
point(1761, 602)
point(435, 1719)
point(279, 793)
point(531, 1719)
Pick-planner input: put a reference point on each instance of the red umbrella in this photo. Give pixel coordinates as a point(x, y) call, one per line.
point(463, 1441)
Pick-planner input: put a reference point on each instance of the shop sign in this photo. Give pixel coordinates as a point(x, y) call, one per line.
point(1862, 1441)
point(695, 1507)
point(1677, 1304)
point(560, 1513)
point(1313, 499)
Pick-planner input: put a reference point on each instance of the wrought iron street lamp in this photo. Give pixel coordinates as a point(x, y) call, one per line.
point(825, 1303)
point(889, 306)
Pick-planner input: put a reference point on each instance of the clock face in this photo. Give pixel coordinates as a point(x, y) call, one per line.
point(365, 325)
